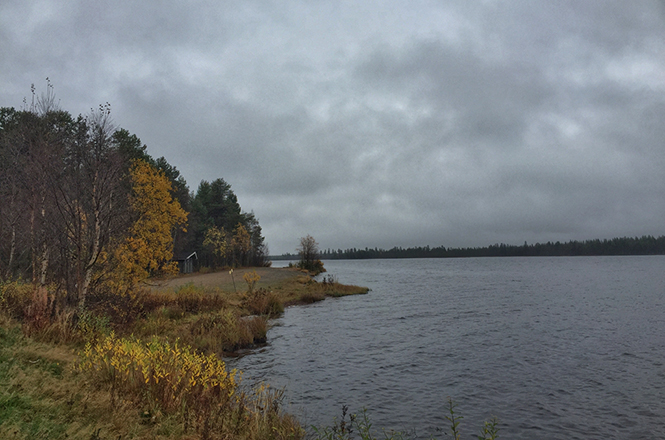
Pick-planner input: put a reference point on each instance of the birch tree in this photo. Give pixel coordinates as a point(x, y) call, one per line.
point(148, 249)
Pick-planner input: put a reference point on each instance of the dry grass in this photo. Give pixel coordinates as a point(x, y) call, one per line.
point(279, 287)
point(263, 302)
point(224, 280)
point(226, 332)
point(304, 290)
point(43, 396)
point(337, 290)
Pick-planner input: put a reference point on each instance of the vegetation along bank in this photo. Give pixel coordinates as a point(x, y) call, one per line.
point(149, 364)
point(99, 336)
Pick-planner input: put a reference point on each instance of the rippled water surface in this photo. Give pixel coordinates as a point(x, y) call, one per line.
point(556, 348)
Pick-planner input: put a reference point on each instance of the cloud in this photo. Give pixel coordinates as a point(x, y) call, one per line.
point(377, 124)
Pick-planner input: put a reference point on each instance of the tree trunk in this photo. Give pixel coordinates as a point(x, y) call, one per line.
point(33, 246)
point(45, 250)
point(96, 244)
point(12, 251)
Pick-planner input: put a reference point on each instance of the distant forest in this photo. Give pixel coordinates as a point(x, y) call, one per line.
point(645, 245)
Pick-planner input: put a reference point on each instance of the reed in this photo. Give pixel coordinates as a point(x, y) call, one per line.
point(359, 427)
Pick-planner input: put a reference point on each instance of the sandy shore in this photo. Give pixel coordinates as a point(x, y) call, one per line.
point(224, 280)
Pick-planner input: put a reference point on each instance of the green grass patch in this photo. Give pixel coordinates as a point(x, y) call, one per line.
point(36, 390)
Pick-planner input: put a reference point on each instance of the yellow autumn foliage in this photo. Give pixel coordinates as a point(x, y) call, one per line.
point(175, 380)
point(148, 249)
point(173, 376)
point(215, 239)
point(241, 243)
point(251, 278)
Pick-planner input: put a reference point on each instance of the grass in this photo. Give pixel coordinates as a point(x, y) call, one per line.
point(48, 392)
point(337, 290)
point(263, 302)
point(213, 320)
point(302, 289)
point(109, 371)
point(40, 397)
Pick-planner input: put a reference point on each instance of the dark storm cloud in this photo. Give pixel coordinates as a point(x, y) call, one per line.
point(377, 124)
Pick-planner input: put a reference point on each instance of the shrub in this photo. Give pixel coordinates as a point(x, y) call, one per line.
point(251, 278)
point(125, 308)
point(122, 308)
point(198, 390)
point(314, 267)
point(92, 327)
point(189, 297)
point(43, 318)
point(159, 322)
point(263, 302)
point(226, 331)
point(15, 297)
point(172, 377)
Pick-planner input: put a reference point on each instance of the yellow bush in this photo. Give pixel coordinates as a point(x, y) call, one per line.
point(174, 377)
point(251, 278)
point(175, 380)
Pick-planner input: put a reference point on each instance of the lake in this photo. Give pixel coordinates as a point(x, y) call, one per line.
point(556, 348)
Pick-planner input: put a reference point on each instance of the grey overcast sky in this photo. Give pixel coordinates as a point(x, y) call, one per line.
point(376, 123)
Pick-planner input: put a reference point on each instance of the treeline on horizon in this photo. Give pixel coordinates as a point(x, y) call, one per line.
point(645, 245)
point(84, 207)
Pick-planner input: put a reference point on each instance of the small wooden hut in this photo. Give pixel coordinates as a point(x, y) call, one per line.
point(186, 261)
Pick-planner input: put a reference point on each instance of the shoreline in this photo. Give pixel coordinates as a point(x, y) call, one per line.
point(101, 370)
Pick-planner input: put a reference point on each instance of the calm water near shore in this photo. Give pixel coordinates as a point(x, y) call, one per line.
point(556, 348)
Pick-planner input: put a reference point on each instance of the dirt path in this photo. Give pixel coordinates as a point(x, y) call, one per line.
point(269, 276)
